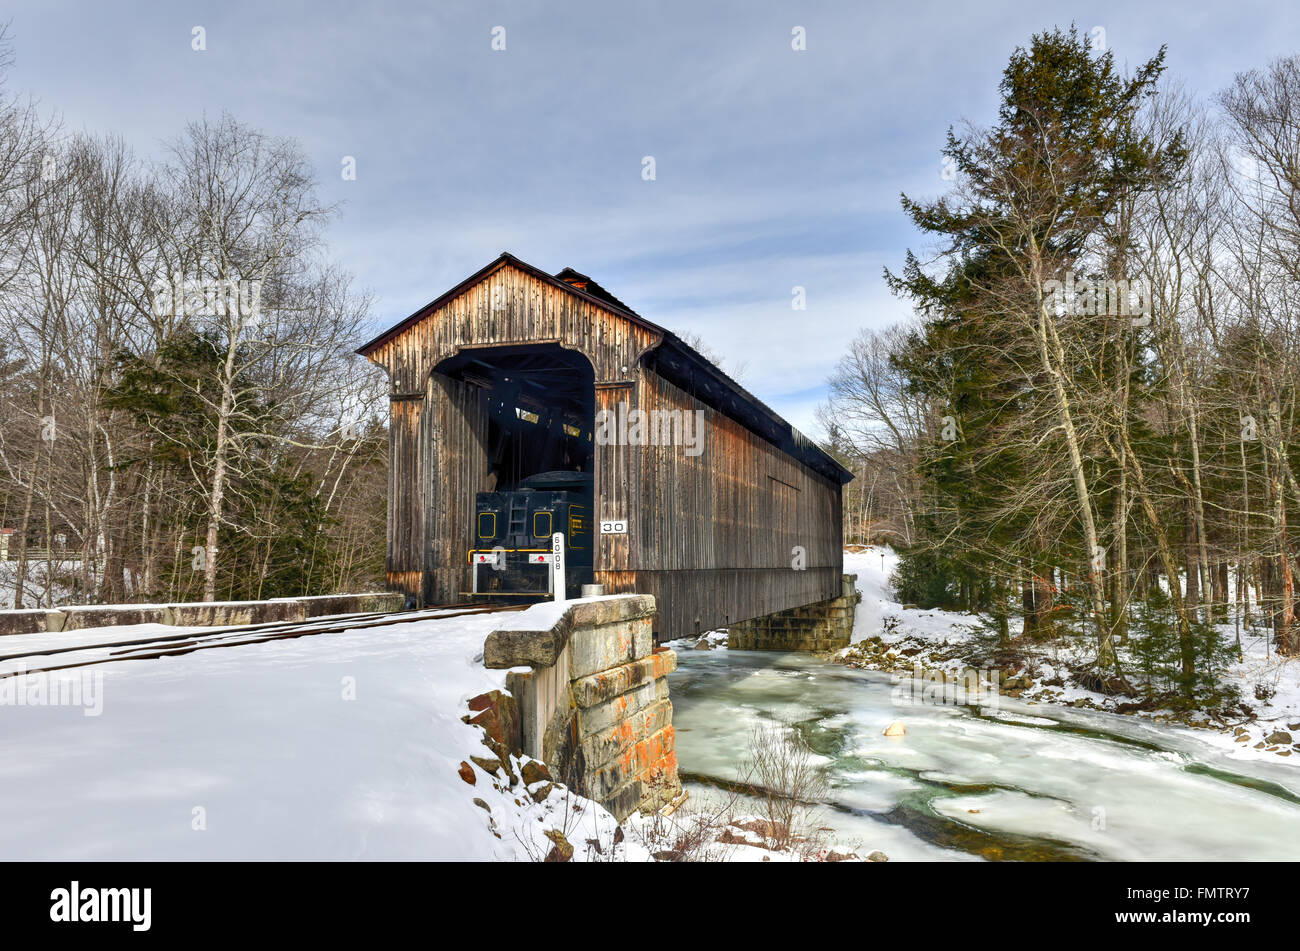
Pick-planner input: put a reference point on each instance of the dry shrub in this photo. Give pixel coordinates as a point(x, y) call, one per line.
point(787, 781)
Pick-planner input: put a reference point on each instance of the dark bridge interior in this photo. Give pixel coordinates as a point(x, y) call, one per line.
point(537, 435)
point(541, 409)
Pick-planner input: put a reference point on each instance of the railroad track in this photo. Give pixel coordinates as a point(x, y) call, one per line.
point(175, 645)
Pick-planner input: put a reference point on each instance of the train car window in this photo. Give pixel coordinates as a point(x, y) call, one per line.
point(487, 525)
point(577, 525)
point(538, 530)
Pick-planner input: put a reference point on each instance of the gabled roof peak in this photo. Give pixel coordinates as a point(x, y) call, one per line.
point(593, 292)
point(584, 283)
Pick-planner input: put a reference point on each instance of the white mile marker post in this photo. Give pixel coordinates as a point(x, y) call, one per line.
point(557, 567)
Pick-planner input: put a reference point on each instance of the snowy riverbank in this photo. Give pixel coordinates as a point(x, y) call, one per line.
point(938, 640)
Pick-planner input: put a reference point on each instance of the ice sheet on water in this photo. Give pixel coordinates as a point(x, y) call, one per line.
point(1050, 776)
point(1022, 719)
point(878, 791)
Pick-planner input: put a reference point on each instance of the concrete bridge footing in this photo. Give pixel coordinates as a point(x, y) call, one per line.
point(594, 704)
point(819, 627)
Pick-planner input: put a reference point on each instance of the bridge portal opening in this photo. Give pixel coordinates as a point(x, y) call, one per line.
point(540, 446)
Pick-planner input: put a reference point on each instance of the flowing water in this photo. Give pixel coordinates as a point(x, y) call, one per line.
point(1012, 781)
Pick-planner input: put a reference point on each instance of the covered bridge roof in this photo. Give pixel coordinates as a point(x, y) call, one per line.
point(673, 359)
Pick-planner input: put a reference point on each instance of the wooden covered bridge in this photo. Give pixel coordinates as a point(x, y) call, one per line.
point(524, 403)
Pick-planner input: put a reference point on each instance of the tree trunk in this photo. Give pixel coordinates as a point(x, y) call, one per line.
point(1028, 605)
point(1055, 370)
point(214, 512)
point(1119, 597)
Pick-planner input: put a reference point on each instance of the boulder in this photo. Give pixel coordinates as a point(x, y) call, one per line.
point(534, 771)
point(498, 714)
point(833, 856)
point(561, 851)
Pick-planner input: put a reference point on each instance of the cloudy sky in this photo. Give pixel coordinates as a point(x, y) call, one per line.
point(773, 167)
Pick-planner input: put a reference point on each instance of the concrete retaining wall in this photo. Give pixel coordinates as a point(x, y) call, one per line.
point(80, 617)
point(379, 602)
point(197, 613)
point(814, 628)
point(594, 706)
point(30, 621)
point(234, 613)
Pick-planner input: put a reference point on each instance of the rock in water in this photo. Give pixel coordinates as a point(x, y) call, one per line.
point(896, 729)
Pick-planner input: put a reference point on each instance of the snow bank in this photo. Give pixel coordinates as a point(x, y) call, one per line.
point(1246, 737)
point(337, 746)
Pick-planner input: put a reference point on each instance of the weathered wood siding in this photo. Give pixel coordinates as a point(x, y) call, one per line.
point(713, 535)
point(405, 501)
point(510, 307)
point(455, 465)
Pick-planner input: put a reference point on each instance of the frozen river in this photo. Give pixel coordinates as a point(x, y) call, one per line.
point(1015, 782)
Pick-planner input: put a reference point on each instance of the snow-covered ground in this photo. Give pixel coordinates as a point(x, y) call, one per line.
point(352, 745)
point(338, 746)
point(942, 635)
